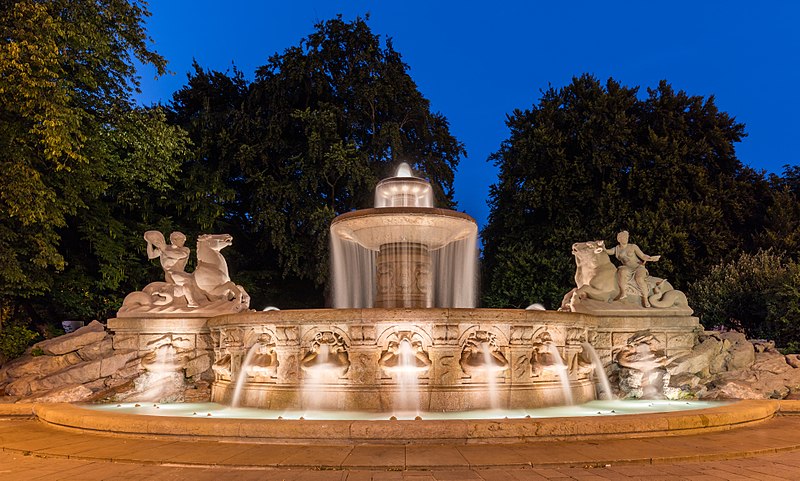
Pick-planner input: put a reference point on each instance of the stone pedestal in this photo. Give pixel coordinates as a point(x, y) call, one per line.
point(404, 276)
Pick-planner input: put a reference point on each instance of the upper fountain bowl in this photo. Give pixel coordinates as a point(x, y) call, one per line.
point(373, 228)
point(403, 190)
point(403, 213)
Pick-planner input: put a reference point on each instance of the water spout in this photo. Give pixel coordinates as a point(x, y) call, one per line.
point(407, 394)
point(563, 374)
point(404, 170)
point(491, 371)
point(241, 376)
point(600, 372)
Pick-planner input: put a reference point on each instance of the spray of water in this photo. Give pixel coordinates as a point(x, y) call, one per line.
point(241, 376)
point(491, 373)
point(563, 375)
point(605, 386)
point(407, 394)
point(164, 374)
point(315, 388)
point(455, 274)
point(353, 272)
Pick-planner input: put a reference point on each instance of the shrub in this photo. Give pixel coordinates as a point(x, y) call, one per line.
point(14, 339)
point(758, 294)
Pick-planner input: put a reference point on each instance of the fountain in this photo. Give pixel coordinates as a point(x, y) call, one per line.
point(403, 341)
point(404, 336)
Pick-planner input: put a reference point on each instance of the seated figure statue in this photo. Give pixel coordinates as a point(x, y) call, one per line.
point(602, 286)
point(632, 261)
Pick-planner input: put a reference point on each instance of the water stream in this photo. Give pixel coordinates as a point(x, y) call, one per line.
point(407, 394)
point(563, 375)
point(599, 370)
point(241, 376)
point(491, 373)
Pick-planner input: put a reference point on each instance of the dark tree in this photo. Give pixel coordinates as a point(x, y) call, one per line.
point(589, 160)
point(307, 140)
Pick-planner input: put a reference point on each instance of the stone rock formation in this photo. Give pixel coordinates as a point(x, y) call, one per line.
point(721, 365)
point(86, 365)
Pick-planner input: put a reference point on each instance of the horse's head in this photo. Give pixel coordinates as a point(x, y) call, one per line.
point(216, 242)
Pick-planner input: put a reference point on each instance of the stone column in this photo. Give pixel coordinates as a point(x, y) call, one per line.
point(404, 276)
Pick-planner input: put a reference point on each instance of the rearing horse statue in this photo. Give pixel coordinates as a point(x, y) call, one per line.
point(207, 290)
point(211, 274)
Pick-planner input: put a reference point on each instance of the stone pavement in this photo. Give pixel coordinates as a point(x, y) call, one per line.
point(773, 467)
point(31, 450)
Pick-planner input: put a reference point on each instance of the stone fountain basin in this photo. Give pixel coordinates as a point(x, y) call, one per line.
point(372, 228)
point(110, 419)
point(443, 334)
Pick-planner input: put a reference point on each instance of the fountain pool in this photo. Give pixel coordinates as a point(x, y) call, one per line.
point(589, 409)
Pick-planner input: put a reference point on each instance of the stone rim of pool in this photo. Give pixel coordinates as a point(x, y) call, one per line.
point(103, 418)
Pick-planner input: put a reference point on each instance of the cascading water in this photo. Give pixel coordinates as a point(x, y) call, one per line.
point(164, 374)
point(404, 252)
point(388, 265)
point(491, 373)
point(455, 283)
point(563, 374)
point(314, 382)
point(354, 267)
point(241, 376)
point(407, 394)
point(600, 372)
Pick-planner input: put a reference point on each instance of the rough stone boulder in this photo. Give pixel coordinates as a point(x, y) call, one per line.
point(725, 365)
point(65, 394)
point(39, 366)
point(91, 365)
point(85, 336)
point(704, 358)
point(79, 366)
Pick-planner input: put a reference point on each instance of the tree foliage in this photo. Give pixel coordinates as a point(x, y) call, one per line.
point(279, 158)
point(758, 294)
point(78, 157)
point(589, 160)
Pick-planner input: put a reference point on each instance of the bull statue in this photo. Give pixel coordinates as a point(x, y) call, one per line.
point(628, 286)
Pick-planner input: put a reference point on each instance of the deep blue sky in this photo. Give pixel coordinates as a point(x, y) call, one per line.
point(476, 61)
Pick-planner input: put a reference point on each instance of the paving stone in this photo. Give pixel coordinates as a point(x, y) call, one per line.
point(317, 456)
point(360, 475)
point(526, 475)
point(416, 477)
point(495, 474)
point(260, 456)
point(548, 473)
point(486, 456)
point(434, 457)
point(209, 453)
point(723, 474)
point(456, 475)
point(386, 457)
